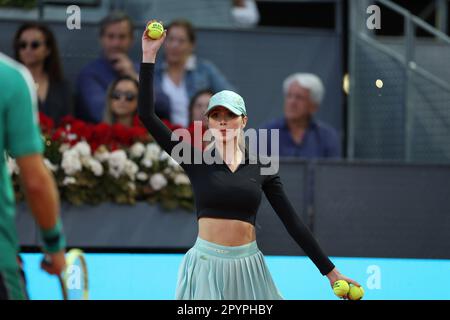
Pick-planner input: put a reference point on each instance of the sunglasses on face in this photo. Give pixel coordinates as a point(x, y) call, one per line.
point(33, 44)
point(129, 96)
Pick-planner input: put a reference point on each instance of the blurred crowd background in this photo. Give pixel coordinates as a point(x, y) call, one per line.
point(304, 67)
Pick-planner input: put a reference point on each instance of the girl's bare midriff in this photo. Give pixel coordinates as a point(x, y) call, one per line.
point(226, 232)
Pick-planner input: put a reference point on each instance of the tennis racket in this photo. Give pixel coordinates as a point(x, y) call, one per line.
point(74, 280)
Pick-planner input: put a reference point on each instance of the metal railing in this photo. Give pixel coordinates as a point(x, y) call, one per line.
point(412, 70)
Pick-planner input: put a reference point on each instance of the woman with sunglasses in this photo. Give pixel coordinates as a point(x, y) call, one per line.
point(121, 102)
point(35, 47)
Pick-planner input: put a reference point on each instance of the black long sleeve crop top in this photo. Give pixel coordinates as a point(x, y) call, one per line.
point(221, 193)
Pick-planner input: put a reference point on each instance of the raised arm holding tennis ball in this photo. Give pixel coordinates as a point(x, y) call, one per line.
point(150, 46)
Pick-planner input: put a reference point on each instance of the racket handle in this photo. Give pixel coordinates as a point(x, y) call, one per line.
point(48, 261)
point(63, 287)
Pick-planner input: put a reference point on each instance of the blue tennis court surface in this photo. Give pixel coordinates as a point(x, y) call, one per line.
point(153, 276)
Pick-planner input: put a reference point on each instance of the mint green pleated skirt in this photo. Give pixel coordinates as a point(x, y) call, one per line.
point(214, 272)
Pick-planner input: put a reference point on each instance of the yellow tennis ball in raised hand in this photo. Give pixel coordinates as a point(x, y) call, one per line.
point(355, 293)
point(155, 30)
point(341, 288)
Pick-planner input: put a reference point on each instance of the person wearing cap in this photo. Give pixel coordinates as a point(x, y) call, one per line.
point(225, 262)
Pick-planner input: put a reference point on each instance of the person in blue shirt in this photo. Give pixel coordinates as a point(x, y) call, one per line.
point(116, 39)
point(300, 133)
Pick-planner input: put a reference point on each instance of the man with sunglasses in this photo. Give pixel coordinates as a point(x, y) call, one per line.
point(116, 39)
point(20, 137)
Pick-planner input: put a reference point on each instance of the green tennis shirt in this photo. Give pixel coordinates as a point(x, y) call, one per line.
point(19, 136)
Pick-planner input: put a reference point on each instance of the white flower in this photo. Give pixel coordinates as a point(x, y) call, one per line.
point(83, 149)
point(69, 180)
point(131, 169)
point(64, 147)
point(132, 185)
point(181, 179)
point(152, 151)
point(158, 181)
point(50, 165)
point(117, 157)
point(146, 162)
point(142, 176)
point(116, 162)
point(71, 163)
point(137, 150)
point(96, 167)
point(102, 154)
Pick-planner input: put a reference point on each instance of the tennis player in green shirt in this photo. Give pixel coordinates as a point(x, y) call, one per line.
point(20, 138)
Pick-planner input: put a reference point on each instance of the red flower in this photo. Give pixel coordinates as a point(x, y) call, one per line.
point(139, 134)
point(81, 129)
point(114, 146)
point(121, 134)
point(59, 135)
point(94, 145)
point(46, 123)
point(100, 134)
point(67, 120)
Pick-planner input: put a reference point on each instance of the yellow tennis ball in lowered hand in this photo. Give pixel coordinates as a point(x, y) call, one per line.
point(341, 288)
point(155, 30)
point(355, 293)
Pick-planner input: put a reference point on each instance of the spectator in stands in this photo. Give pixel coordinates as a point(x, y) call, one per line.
point(116, 39)
point(245, 13)
point(121, 102)
point(197, 108)
point(35, 47)
point(199, 104)
point(181, 74)
point(301, 135)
